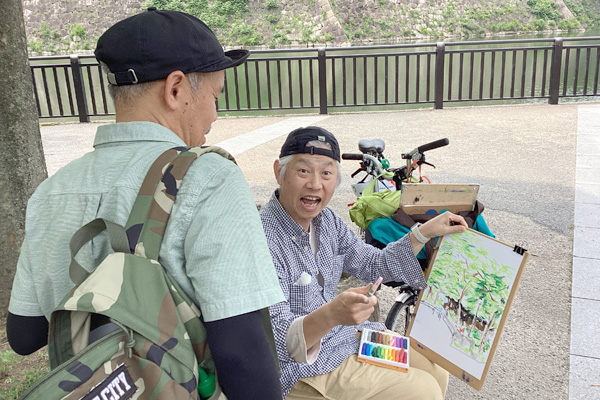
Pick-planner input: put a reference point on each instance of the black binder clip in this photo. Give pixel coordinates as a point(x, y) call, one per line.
point(519, 250)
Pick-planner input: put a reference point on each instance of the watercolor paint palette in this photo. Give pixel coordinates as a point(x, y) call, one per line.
point(384, 349)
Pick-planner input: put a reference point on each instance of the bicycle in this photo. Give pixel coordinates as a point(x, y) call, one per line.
point(374, 163)
point(376, 166)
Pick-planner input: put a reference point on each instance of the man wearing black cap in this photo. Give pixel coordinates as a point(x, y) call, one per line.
point(315, 329)
point(165, 70)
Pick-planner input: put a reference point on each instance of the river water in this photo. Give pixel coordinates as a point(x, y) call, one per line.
point(366, 80)
point(355, 77)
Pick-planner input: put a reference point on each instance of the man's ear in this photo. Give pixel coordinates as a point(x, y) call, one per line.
point(174, 90)
point(276, 169)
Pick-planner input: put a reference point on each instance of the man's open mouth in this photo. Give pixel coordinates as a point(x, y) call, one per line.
point(310, 201)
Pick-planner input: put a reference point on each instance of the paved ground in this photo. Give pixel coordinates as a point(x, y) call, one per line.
point(585, 309)
point(539, 171)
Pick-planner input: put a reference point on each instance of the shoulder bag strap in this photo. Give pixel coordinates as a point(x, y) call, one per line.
point(150, 213)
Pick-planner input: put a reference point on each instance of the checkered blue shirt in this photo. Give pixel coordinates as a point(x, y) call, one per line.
point(339, 250)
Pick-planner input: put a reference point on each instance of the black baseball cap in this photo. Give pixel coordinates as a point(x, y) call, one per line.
point(297, 142)
point(149, 46)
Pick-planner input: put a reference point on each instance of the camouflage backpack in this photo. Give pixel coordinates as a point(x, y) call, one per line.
point(152, 341)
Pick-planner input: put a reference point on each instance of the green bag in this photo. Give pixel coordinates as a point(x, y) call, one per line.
point(373, 205)
point(153, 341)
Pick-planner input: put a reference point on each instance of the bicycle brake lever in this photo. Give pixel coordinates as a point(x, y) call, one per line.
point(426, 163)
point(357, 171)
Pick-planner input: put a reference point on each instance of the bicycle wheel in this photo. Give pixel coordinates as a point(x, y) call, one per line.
point(398, 318)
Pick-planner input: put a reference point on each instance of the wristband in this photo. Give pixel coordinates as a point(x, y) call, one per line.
point(417, 233)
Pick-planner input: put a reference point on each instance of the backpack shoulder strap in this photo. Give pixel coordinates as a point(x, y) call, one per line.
point(150, 211)
point(152, 208)
point(116, 236)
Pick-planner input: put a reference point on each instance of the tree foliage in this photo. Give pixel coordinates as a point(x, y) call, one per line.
point(544, 9)
point(587, 12)
point(215, 13)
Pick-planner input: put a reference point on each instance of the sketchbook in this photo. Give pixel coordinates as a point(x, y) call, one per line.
point(459, 318)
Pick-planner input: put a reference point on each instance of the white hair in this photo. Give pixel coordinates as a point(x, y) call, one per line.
point(285, 160)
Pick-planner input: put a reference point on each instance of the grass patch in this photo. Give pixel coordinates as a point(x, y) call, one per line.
point(14, 384)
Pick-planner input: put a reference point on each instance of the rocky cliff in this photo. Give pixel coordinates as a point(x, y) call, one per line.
point(69, 25)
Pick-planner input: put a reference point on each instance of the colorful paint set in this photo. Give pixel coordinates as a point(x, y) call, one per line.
point(385, 349)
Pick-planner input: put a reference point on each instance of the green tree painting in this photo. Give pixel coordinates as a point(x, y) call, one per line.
point(460, 316)
point(470, 285)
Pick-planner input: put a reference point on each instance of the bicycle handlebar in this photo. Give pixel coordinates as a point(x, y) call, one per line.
point(352, 156)
point(433, 145)
point(417, 152)
point(372, 164)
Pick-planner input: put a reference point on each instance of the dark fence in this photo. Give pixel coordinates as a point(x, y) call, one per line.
point(358, 77)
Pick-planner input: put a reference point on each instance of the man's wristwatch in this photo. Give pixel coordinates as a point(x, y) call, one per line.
point(417, 233)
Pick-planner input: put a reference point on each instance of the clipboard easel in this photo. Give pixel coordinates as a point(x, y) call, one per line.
point(458, 320)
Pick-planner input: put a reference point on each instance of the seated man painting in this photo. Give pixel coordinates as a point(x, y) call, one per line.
point(316, 331)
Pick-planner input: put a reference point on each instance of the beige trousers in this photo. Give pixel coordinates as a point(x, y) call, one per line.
point(357, 381)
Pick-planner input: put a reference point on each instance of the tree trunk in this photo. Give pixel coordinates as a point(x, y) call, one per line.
point(486, 332)
point(22, 165)
point(475, 317)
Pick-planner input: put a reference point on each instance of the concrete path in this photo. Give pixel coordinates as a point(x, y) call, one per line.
point(239, 144)
point(539, 171)
point(585, 308)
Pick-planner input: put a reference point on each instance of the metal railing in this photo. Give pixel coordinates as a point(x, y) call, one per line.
point(358, 77)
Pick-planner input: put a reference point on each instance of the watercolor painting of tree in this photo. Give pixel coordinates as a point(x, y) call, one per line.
point(471, 282)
